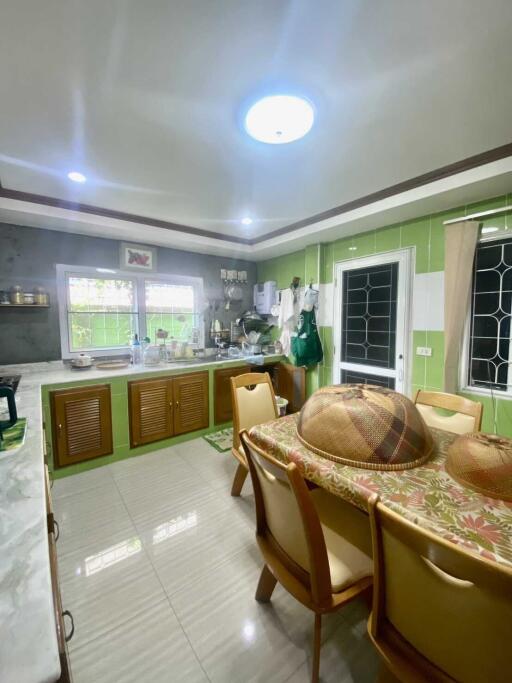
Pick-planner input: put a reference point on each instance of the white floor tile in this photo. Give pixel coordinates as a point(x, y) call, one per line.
point(185, 548)
point(150, 648)
point(143, 465)
point(89, 516)
point(106, 584)
point(83, 481)
point(346, 657)
point(236, 638)
point(159, 566)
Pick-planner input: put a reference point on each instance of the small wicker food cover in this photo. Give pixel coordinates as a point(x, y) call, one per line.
point(365, 426)
point(482, 462)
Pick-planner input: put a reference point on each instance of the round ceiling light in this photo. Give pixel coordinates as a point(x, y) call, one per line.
point(247, 221)
point(77, 177)
point(278, 119)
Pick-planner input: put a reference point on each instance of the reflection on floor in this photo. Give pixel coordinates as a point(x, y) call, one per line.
point(159, 565)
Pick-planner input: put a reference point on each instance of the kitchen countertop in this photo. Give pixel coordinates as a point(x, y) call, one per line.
point(28, 641)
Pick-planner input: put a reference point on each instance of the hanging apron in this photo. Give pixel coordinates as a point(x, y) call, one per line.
point(306, 345)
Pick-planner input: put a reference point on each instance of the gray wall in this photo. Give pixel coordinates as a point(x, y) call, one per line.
point(28, 257)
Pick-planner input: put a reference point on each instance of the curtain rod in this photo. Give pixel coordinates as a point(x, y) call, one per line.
point(480, 214)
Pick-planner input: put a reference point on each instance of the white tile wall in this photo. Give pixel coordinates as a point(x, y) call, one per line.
point(428, 301)
point(324, 317)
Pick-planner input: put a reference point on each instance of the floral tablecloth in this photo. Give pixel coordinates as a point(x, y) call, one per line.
point(426, 495)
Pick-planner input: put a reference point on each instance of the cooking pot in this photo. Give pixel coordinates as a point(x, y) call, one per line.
point(82, 361)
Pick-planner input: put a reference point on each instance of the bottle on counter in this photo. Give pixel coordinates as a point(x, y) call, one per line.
point(136, 351)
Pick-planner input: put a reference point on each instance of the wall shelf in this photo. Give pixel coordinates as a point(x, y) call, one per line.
point(24, 306)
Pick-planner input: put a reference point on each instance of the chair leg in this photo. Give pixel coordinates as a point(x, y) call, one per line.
point(317, 639)
point(266, 585)
point(368, 597)
point(240, 475)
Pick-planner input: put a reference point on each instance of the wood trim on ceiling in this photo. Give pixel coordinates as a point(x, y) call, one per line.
point(467, 164)
point(418, 181)
point(42, 199)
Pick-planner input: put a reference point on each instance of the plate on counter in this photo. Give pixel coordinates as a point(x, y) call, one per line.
point(112, 364)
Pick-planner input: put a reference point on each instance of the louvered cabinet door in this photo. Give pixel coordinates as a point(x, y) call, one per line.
point(82, 424)
point(191, 404)
point(151, 409)
point(222, 392)
point(291, 384)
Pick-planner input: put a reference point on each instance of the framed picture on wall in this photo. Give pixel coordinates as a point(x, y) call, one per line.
point(137, 257)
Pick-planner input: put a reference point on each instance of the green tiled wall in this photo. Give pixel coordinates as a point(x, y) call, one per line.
point(283, 269)
point(426, 234)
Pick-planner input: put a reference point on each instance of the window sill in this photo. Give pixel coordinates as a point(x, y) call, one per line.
point(99, 353)
point(479, 391)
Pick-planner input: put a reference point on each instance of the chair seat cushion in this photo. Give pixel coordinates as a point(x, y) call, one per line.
point(347, 537)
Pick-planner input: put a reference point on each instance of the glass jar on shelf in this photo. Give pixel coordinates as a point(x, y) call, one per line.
point(40, 296)
point(16, 295)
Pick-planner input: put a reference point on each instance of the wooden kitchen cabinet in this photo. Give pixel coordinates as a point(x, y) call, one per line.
point(222, 392)
point(59, 613)
point(290, 383)
point(150, 404)
point(167, 406)
point(81, 424)
point(191, 404)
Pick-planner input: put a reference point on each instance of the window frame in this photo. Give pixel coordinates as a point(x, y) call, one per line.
point(139, 280)
point(464, 385)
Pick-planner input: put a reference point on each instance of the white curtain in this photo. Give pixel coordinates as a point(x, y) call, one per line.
point(460, 244)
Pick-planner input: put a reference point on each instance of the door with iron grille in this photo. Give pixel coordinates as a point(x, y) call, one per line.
point(372, 298)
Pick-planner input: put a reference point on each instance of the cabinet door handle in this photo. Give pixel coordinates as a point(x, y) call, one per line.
point(67, 613)
point(177, 404)
point(59, 429)
point(57, 527)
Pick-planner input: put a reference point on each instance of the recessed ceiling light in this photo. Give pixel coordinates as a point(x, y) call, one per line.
point(247, 221)
point(352, 248)
point(278, 119)
point(77, 177)
point(484, 230)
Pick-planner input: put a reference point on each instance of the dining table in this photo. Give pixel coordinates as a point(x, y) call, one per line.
point(426, 495)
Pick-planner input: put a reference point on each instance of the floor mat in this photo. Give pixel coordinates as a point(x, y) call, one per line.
point(14, 436)
point(222, 441)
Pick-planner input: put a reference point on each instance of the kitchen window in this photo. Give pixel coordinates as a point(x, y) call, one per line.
point(490, 347)
point(171, 307)
point(100, 310)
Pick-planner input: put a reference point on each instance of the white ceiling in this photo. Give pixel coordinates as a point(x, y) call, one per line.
point(147, 99)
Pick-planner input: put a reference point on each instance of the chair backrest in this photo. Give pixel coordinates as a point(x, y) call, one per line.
point(466, 415)
point(287, 518)
point(450, 608)
point(253, 402)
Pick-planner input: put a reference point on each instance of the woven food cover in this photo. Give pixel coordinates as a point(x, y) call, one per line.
point(482, 462)
point(365, 426)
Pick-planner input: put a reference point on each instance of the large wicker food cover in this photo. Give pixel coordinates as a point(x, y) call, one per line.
point(482, 462)
point(365, 426)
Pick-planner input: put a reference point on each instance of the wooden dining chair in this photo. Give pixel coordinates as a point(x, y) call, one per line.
point(253, 402)
point(315, 544)
point(439, 612)
point(466, 415)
